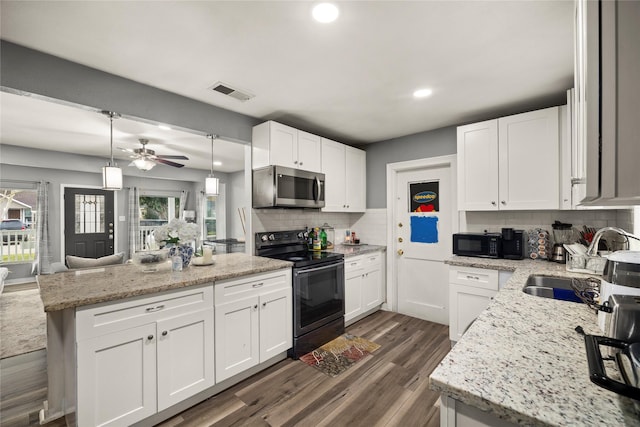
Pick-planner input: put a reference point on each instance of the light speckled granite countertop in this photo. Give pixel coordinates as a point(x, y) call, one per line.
point(83, 287)
point(522, 360)
point(349, 251)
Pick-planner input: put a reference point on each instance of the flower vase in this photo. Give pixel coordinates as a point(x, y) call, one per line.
point(183, 251)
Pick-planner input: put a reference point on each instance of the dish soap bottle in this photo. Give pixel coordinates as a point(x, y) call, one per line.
point(323, 239)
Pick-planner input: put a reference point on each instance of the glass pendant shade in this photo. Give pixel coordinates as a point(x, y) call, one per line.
point(211, 186)
point(144, 164)
point(111, 178)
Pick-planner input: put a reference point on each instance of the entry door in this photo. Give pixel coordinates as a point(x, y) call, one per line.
point(422, 236)
point(88, 222)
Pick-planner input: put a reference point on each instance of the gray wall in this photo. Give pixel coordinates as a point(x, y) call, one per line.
point(27, 70)
point(439, 142)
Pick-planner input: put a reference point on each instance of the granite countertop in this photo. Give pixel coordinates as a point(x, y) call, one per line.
point(522, 360)
point(354, 250)
point(83, 287)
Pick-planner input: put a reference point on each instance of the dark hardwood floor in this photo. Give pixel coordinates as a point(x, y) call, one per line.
point(388, 388)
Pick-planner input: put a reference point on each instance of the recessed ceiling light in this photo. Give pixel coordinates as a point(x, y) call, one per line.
point(217, 163)
point(164, 127)
point(422, 93)
point(325, 12)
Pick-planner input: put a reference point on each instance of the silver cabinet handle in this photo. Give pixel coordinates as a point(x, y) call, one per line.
point(503, 202)
point(257, 285)
point(264, 304)
point(473, 278)
point(164, 333)
point(156, 308)
point(493, 202)
point(255, 307)
point(150, 337)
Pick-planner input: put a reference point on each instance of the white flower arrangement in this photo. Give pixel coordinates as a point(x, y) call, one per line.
point(177, 230)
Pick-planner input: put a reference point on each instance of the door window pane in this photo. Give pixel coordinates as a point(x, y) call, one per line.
point(89, 210)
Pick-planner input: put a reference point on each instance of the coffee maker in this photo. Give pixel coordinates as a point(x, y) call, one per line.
point(562, 233)
point(512, 243)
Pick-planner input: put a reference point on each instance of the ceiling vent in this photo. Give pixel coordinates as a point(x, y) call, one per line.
point(226, 89)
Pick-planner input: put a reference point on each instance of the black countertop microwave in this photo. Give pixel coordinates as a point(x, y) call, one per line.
point(487, 245)
point(508, 244)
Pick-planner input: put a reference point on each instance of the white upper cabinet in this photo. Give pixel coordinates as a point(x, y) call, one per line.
point(510, 163)
point(345, 177)
point(277, 144)
point(607, 66)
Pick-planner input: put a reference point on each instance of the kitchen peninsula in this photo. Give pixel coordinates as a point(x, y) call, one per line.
point(127, 347)
point(522, 363)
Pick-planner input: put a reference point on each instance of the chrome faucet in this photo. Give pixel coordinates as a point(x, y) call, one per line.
point(593, 247)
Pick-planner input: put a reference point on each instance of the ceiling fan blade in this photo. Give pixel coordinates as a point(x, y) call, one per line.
point(168, 163)
point(128, 150)
point(172, 157)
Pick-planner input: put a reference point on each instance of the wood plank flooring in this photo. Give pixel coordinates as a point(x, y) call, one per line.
point(388, 388)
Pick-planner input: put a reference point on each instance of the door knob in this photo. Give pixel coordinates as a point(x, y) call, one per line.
point(400, 239)
point(400, 251)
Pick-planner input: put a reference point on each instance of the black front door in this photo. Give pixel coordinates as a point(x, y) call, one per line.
point(88, 222)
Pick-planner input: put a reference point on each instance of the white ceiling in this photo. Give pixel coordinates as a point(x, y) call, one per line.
point(350, 80)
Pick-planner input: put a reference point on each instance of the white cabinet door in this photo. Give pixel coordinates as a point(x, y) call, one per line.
point(466, 304)
point(116, 376)
point(334, 168)
point(309, 152)
point(276, 323)
point(236, 337)
point(478, 166)
point(356, 180)
point(353, 288)
point(185, 357)
point(529, 160)
point(283, 145)
point(372, 288)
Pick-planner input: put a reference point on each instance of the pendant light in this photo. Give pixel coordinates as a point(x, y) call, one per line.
point(211, 184)
point(111, 174)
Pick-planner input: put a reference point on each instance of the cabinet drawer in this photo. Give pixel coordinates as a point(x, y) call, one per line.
point(103, 318)
point(353, 263)
point(248, 286)
point(477, 277)
point(372, 259)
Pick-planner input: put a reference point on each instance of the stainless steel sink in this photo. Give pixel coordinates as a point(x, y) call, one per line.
point(550, 287)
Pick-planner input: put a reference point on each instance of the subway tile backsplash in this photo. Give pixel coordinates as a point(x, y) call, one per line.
point(494, 221)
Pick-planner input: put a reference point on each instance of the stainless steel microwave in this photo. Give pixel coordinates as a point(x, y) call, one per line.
point(486, 245)
point(282, 187)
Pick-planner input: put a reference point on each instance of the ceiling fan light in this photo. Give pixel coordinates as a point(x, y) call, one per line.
point(211, 185)
point(144, 164)
point(111, 178)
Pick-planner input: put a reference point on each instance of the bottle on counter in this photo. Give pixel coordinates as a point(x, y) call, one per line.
point(317, 245)
point(310, 239)
point(323, 239)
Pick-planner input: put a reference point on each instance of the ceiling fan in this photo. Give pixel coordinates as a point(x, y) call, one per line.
point(145, 158)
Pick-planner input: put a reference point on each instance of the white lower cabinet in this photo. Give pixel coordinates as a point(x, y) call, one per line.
point(470, 292)
point(454, 413)
point(254, 321)
point(138, 357)
point(364, 285)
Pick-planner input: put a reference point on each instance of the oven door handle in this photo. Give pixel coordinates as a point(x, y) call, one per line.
point(310, 270)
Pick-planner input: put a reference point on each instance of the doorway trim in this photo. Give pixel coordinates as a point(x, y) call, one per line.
point(62, 214)
point(393, 169)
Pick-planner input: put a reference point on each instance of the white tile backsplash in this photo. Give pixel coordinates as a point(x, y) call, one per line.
point(370, 227)
point(494, 221)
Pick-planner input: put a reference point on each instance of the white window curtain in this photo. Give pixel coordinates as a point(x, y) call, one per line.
point(42, 264)
point(134, 221)
point(200, 213)
point(184, 194)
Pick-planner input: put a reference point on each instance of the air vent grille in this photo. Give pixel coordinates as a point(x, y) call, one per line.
point(228, 90)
